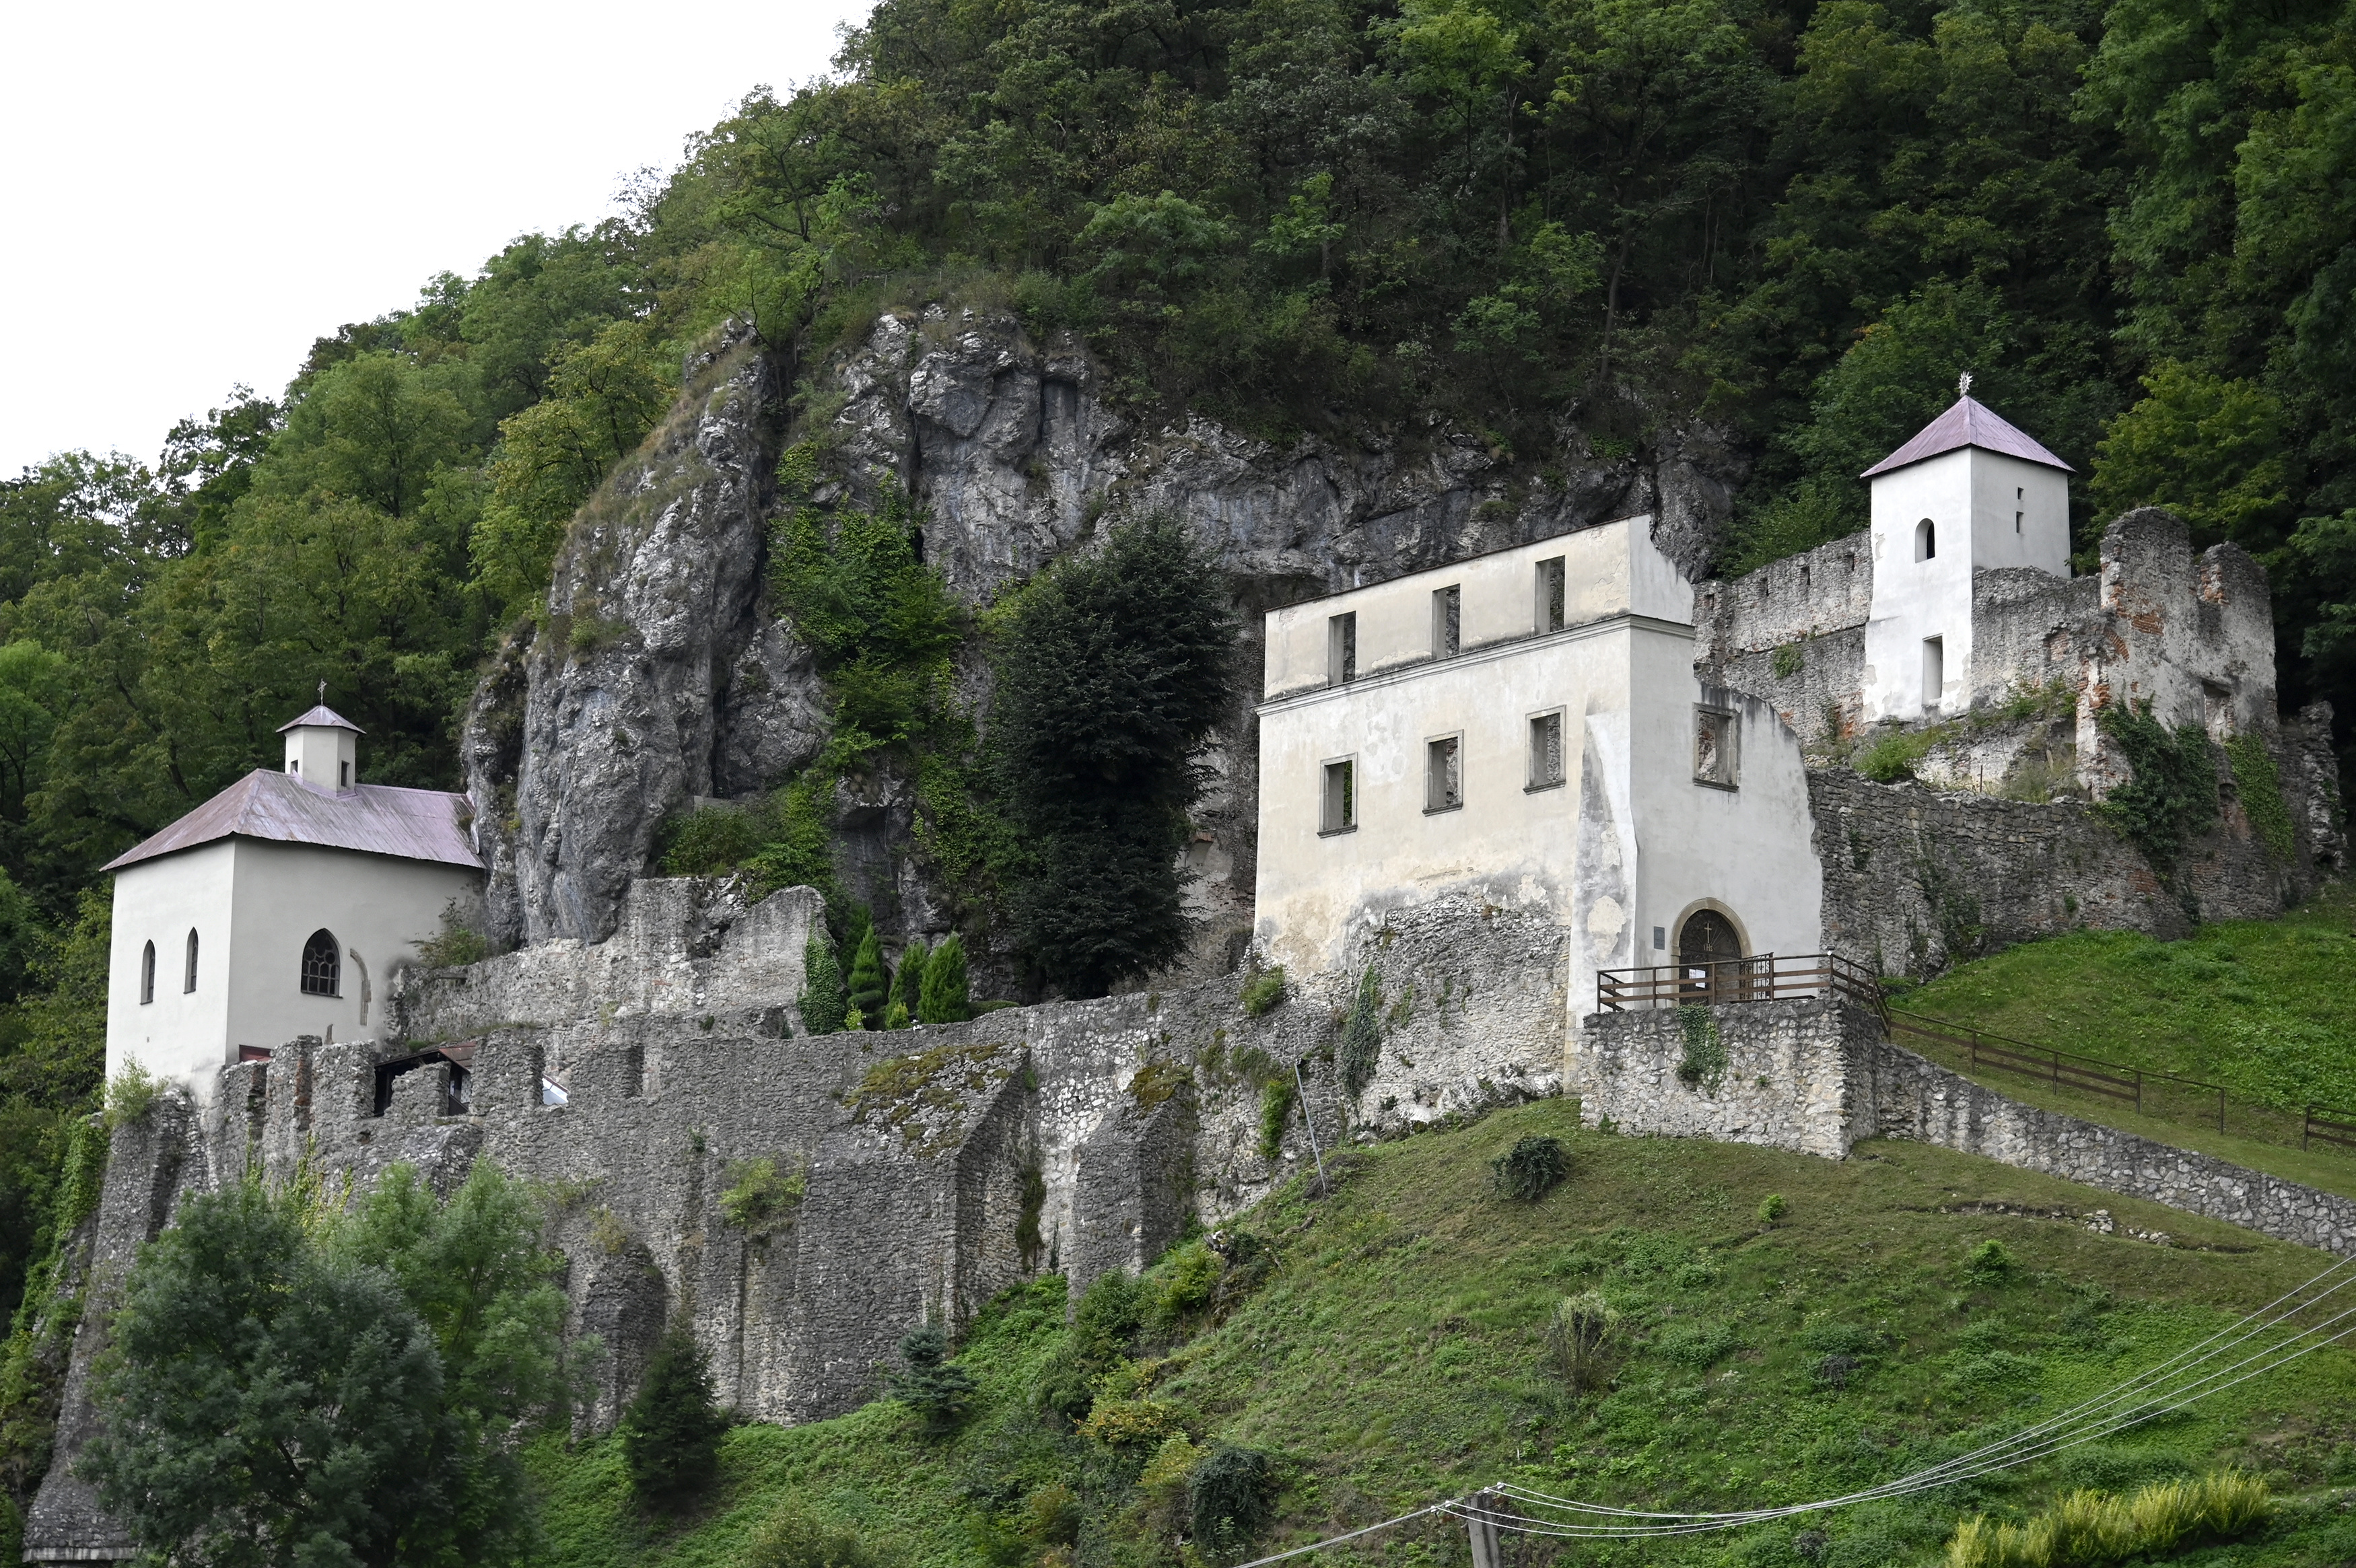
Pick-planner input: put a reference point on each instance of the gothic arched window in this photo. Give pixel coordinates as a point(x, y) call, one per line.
point(148, 975)
point(322, 971)
point(188, 980)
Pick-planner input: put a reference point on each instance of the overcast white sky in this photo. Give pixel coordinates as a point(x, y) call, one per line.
point(193, 192)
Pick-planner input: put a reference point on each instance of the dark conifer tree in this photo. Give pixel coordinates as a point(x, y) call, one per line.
point(670, 1435)
point(1116, 667)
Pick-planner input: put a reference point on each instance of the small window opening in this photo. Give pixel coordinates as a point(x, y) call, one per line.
point(1926, 540)
point(1443, 774)
point(1447, 622)
point(2020, 501)
point(189, 979)
point(1935, 670)
point(1714, 747)
point(2217, 712)
point(1550, 595)
point(148, 975)
point(1339, 812)
point(1545, 750)
point(343, 775)
point(322, 969)
point(1340, 649)
point(295, 764)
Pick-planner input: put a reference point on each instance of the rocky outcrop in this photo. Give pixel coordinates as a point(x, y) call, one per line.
point(660, 677)
point(621, 706)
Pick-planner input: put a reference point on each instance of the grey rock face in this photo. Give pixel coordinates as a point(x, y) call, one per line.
point(628, 694)
point(685, 686)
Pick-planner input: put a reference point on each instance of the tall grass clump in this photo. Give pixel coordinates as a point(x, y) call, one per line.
point(2086, 1528)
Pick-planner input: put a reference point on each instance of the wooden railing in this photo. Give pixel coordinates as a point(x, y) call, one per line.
point(1762, 978)
point(2167, 1095)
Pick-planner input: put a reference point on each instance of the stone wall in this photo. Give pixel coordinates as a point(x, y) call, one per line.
point(683, 946)
point(1819, 1077)
point(1780, 1073)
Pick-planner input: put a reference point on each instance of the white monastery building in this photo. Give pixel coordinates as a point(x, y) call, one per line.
point(1526, 728)
point(278, 908)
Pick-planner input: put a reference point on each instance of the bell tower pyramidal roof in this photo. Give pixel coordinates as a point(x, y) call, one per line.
point(1967, 423)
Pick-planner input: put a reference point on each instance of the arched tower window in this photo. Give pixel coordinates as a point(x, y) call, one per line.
point(322, 971)
point(1926, 540)
point(188, 980)
point(148, 975)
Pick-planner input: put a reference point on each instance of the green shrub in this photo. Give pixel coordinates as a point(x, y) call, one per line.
point(670, 1433)
point(1531, 1168)
point(1989, 1264)
point(1229, 1495)
point(1772, 1207)
point(945, 999)
point(130, 1094)
point(823, 1002)
point(1275, 1113)
point(793, 1537)
point(1190, 1278)
point(758, 1194)
point(930, 1382)
point(1051, 1515)
point(869, 983)
point(896, 1016)
point(1362, 1036)
point(710, 841)
point(1787, 661)
point(1893, 757)
point(455, 944)
point(1263, 991)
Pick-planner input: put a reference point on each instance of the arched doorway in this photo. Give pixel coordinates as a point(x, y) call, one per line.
point(1708, 954)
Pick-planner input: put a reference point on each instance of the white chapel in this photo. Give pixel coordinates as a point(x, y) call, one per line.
point(278, 908)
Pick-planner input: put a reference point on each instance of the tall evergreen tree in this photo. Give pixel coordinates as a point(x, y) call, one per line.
point(1113, 671)
point(869, 985)
point(945, 999)
point(823, 1002)
point(670, 1435)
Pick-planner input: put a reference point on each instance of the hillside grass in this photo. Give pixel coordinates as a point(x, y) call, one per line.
point(2265, 1009)
point(1394, 1355)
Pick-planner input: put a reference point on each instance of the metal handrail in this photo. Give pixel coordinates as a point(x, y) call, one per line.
point(1760, 977)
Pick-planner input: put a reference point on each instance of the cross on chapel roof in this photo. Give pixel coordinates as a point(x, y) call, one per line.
point(321, 717)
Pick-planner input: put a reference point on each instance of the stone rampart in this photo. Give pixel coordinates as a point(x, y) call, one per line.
point(1819, 1076)
point(683, 946)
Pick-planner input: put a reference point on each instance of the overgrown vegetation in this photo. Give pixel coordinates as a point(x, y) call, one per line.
point(1646, 1345)
point(1533, 1168)
point(2172, 797)
point(2087, 1529)
point(1362, 1035)
point(355, 1387)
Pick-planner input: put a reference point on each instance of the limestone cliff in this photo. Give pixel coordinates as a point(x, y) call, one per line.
point(661, 676)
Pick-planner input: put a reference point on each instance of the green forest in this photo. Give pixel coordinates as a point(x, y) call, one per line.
point(2134, 224)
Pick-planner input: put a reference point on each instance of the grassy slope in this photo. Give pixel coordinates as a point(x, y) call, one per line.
point(1395, 1357)
point(2265, 1008)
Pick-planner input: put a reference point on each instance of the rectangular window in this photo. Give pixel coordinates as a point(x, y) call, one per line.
point(2020, 498)
point(343, 775)
point(1340, 649)
point(1447, 622)
point(1443, 773)
point(1935, 671)
point(1545, 750)
point(1550, 595)
point(1715, 747)
point(1339, 812)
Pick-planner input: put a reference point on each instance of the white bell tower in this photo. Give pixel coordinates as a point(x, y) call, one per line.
point(1969, 493)
point(323, 748)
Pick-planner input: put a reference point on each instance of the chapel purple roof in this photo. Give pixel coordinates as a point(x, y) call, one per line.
point(375, 820)
point(1966, 423)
